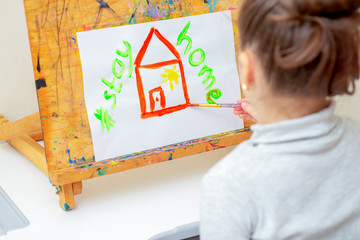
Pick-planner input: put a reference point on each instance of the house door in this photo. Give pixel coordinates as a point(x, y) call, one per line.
point(157, 99)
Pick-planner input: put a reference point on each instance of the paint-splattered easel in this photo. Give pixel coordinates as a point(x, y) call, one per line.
point(52, 27)
point(23, 135)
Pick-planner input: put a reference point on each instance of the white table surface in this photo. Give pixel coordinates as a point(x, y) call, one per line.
point(135, 204)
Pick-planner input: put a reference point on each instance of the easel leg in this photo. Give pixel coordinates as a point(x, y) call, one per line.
point(66, 194)
point(21, 135)
point(77, 188)
point(16, 134)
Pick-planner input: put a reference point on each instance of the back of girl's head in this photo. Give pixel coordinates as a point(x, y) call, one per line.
point(305, 47)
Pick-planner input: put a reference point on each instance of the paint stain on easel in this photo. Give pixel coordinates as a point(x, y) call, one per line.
point(40, 83)
point(38, 68)
point(86, 28)
point(103, 171)
point(211, 4)
point(66, 206)
point(70, 161)
point(103, 4)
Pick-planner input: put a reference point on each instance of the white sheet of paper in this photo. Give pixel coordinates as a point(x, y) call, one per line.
point(130, 133)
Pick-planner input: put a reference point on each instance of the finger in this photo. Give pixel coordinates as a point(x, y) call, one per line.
point(239, 111)
point(244, 100)
point(250, 110)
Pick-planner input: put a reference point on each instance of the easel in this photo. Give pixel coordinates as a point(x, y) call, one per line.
point(69, 156)
point(23, 135)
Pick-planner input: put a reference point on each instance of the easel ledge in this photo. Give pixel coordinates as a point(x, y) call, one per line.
point(24, 133)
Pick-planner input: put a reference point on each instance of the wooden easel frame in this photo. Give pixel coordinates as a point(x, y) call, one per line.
point(68, 158)
point(23, 136)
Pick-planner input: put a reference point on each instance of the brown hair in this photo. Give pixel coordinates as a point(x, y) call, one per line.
point(306, 47)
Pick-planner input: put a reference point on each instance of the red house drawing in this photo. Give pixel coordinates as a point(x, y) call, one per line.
point(158, 97)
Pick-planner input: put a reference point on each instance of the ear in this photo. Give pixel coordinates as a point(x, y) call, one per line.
point(247, 70)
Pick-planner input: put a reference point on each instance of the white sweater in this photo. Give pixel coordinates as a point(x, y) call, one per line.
point(295, 179)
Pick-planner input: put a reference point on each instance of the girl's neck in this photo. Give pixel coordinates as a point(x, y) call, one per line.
point(279, 108)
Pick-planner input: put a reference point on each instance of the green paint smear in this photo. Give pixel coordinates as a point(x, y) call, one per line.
point(102, 172)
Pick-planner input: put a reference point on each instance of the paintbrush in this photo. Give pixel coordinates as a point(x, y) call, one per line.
point(220, 105)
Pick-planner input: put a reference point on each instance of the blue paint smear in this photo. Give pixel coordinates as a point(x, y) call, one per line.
point(212, 4)
point(171, 157)
point(70, 161)
point(66, 206)
point(155, 13)
point(171, 2)
point(74, 40)
point(133, 18)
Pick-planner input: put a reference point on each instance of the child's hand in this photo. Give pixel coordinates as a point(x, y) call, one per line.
point(246, 112)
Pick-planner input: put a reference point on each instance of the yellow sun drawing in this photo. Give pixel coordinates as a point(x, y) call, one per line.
point(171, 75)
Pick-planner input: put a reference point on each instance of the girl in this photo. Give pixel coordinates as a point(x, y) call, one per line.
point(298, 177)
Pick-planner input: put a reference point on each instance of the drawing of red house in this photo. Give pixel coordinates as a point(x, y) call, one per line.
point(159, 96)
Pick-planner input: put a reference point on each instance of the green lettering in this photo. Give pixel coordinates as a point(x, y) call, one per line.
point(213, 94)
point(201, 59)
point(108, 96)
point(122, 68)
point(210, 76)
point(106, 120)
point(183, 36)
point(128, 53)
point(111, 86)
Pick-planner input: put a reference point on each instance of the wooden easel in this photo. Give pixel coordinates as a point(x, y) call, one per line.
point(23, 135)
point(69, 156)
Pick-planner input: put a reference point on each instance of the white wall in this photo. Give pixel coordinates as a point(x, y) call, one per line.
point(17, 86)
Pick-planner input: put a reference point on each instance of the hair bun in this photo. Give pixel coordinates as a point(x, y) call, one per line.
point(322, 8)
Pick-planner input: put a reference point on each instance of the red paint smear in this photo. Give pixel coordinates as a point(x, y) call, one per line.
point(186, 95)
point(85, 28)
point(216, 146)
point(143, 49)
point(232, 8)
point(168, 44)
point(162, 97)
point(160, 64)
point(140, 90)
point(165, 111)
